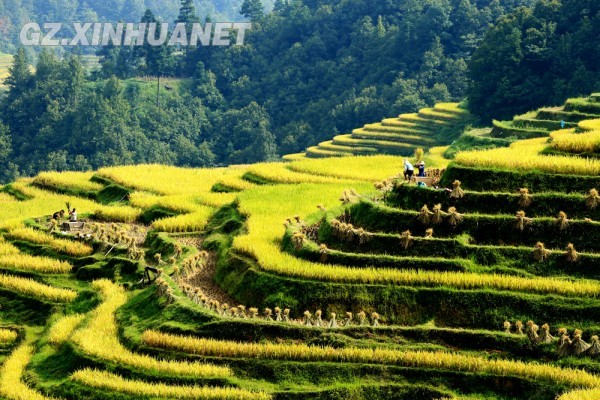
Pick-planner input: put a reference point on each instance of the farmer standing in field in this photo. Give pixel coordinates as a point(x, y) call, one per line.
point(409, 170)
point(562, 124)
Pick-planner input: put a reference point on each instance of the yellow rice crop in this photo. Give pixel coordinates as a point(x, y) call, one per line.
point(7, 335)
point(349, 142)
point(265, 230)
point(45, 202)
point(177, 203)
point(589, 125)
point(438, 116)
point(6, 198)
point(124, 214)
point(181, 203)
point(294, 157)
point(434, 158)
point(525, 156)
point(24, 186)
point(27, 262)
point(236, 183)
point(70, 180)
point(7, 248)
point(363, 168)
point(216, 199)
point(578, 142)
point(419, 359)
point(99, 338)
point(586, 394)
point(450, 107)
point(280, 173)
point(11, 385)
point(63, 328)
point(69, 247)
point(317, 152)
point(166, 180)
point(192, 222)
point(106, 380)
point(35, 289)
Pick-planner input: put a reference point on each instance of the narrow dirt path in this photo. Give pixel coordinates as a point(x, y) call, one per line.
point(204, 277)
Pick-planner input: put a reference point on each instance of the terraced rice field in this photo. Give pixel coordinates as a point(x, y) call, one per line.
point(545, 120)
point(308, 279)
point(402, 135)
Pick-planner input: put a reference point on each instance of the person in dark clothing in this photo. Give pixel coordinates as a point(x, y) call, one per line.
point(156, 271)
point(421, 166)
point(58, 215)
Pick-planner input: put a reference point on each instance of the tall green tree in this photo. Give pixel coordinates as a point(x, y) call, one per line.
point(158, 60)
point(19, 76)
point(189, 16)
point(8, 170)
point(253, 10)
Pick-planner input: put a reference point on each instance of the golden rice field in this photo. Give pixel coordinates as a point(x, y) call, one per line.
point(284, 173)
point(524, 156)
point(107, 380)
point(70, 180)
point(177, 203)
point(438, 116)
point(167, 180)
point(35, 289)
point(181, 203)
point(585, 394)
point(63, 328)
point(193, 222)
point(66, 246)
point(26, 262)
point(450, 107)
point(588, 142)
point(7, 248)
point(6, 198)
point(7, 336)
point(265, 230)
point(437, 360)
point(11, 374)
point(589, 125)
point(125, 214)
point(99, 338)
point(235, 182)
point(359, 168)
point(295, 157)
point(44, 202)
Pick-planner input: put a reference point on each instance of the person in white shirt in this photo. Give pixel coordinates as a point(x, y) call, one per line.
point(409, 170)
point(73, 216)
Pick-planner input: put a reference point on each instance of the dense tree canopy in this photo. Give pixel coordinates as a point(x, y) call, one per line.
point(537, 56)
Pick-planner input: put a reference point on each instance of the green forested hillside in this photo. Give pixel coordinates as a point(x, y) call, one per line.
point(537, 57)
point(307, 72)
